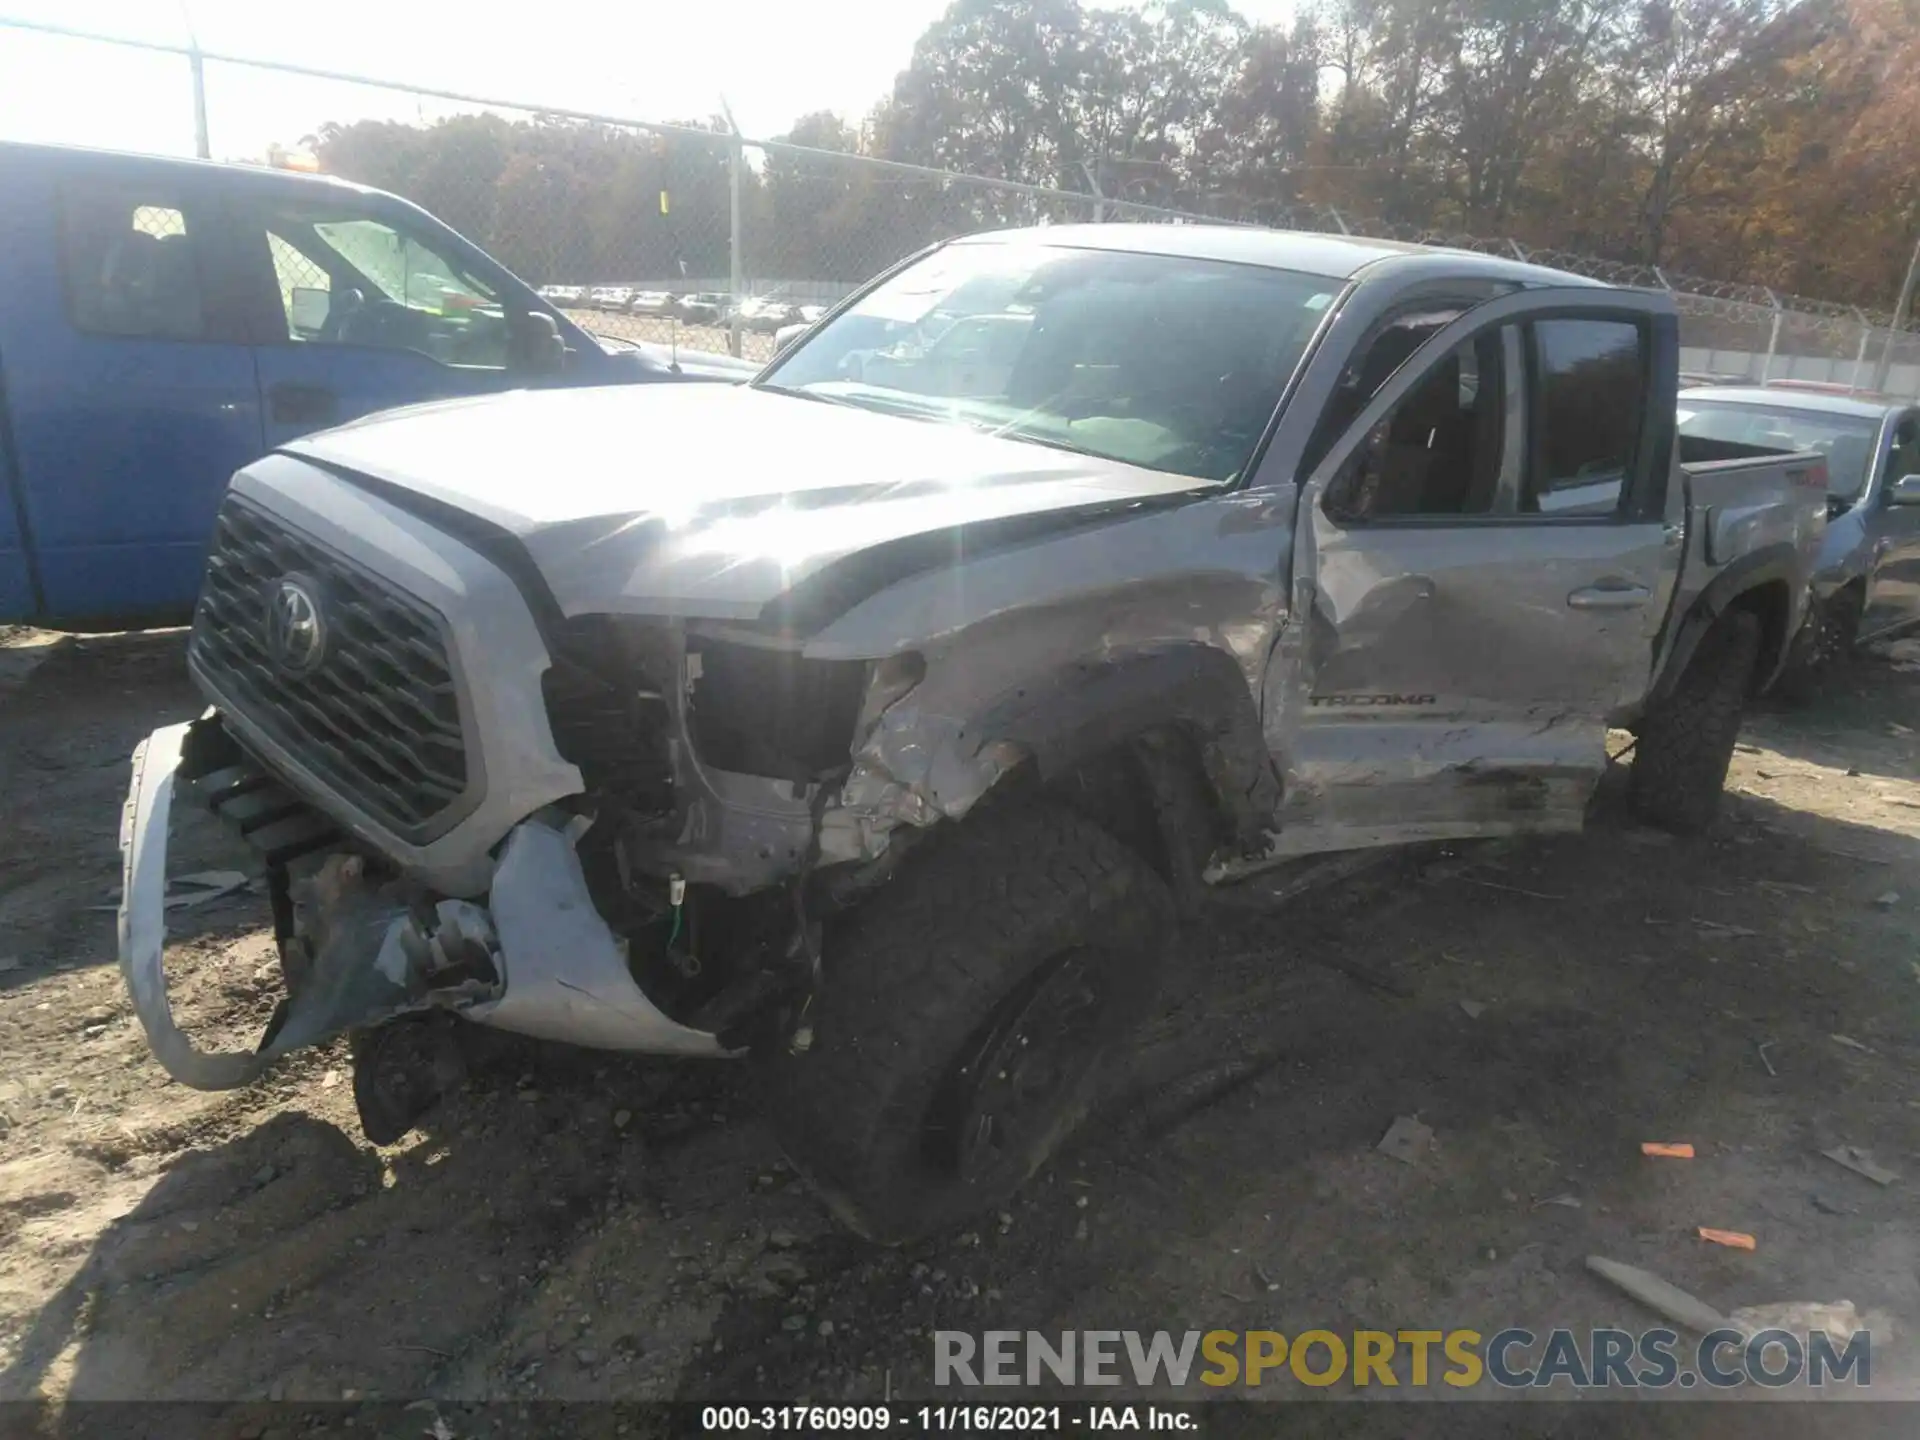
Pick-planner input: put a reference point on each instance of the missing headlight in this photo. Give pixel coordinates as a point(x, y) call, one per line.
point(762, 711)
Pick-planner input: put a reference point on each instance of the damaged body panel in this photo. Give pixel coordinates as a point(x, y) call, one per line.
point(1129, 559)
point(536, 958)
point(801, 487)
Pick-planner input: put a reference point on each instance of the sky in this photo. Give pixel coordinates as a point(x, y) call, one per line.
point(771, 60)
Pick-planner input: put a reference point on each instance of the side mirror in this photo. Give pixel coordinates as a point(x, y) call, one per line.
point(537, 348)
point(307, 309)
point(1904, 491)
point(787, 334)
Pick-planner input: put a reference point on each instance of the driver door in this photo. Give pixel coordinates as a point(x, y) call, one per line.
point(1482, 564)
point(361, 309)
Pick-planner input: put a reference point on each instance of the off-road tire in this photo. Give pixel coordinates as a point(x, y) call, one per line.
point(1686, 740)
point(989, 913)
point(1820, 656)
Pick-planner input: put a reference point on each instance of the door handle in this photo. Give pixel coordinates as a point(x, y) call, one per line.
point(1605, 596)
point(302, 404)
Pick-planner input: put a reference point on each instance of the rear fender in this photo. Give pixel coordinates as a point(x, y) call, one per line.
point(1763, 580)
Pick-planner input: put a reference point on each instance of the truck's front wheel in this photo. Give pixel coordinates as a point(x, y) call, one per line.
point(963, 1014)
point(1685, 742)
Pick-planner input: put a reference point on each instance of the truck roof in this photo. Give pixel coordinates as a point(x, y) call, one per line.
point(1783, 397)
point(1340, 257)
point(265, 177)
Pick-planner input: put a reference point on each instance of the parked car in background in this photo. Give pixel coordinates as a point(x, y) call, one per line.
point(805, 317)
point(609, 297)
point(889, 750)
point(768, 314)
point(1867, 584)
point(574, 295)
point(163, 322)
point(651, 302)
point(705, 307)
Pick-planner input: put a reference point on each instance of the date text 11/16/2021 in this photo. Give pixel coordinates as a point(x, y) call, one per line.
point(934, 1419)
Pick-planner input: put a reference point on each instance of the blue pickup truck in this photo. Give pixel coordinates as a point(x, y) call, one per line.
point(163, 322)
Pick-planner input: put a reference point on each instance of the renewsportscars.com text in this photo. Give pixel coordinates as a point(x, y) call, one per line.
point(1511, 1359)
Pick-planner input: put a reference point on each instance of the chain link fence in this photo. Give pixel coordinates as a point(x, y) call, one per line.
point(695, 237)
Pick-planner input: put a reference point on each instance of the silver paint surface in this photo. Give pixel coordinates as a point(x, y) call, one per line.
point(1412, 681)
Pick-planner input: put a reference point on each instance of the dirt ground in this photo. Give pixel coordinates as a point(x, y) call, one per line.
point(573, 1226)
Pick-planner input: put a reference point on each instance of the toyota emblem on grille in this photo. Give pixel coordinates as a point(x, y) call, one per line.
point(296, 628)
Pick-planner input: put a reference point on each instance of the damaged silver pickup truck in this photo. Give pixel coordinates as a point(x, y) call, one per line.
point(1056, 579)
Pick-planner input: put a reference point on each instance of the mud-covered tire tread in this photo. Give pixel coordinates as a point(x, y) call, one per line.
point(910, 976)
point(1686, 742)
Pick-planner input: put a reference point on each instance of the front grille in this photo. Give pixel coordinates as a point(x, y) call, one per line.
point(608, 716)
point(378, 717)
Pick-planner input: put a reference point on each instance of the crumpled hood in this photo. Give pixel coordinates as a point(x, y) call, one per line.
point(708, 500)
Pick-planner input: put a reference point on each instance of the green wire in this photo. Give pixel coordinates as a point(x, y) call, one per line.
point(674, 933)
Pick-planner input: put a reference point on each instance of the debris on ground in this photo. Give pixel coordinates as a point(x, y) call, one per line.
point(1715, 929)
point(1474, 1008)
point(1851, 1043)
point(1406, 1140)
point(188, 892)
point(1860, 1162)
point(1570, 1202)
point(1837, 1318)
point(1669, 1150)
point(1886, 900)
point(1665, 1299)
point(1732, 1239)
point(203, 887)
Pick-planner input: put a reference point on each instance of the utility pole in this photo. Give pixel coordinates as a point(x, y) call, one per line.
point(736, 262)
point(1902, 310)
point(197, 68)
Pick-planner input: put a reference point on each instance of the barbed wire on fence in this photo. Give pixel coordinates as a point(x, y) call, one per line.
point(700, 236)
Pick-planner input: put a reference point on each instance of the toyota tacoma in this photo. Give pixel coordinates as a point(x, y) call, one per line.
point(1055, 580)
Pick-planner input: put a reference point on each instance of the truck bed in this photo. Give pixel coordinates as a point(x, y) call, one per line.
point(1741, 498)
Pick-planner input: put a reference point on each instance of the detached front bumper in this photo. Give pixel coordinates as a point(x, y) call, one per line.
point(537, 959)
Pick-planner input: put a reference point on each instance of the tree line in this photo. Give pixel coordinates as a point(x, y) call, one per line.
point(1764, 141)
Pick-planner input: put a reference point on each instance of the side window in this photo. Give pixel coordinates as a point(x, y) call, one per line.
point(1438, 451)
point(1905, 459)
point(1589, 387)
point(130, 266)
point(346, 280)
point(1371, 367)
point(306, 290)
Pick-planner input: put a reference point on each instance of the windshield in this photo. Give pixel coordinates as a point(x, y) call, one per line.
point(407, 271)
point(1847, 441)
point(1168, 363)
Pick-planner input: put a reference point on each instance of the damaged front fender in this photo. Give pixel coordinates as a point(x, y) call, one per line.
point(916, 764)
point(537, 959)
